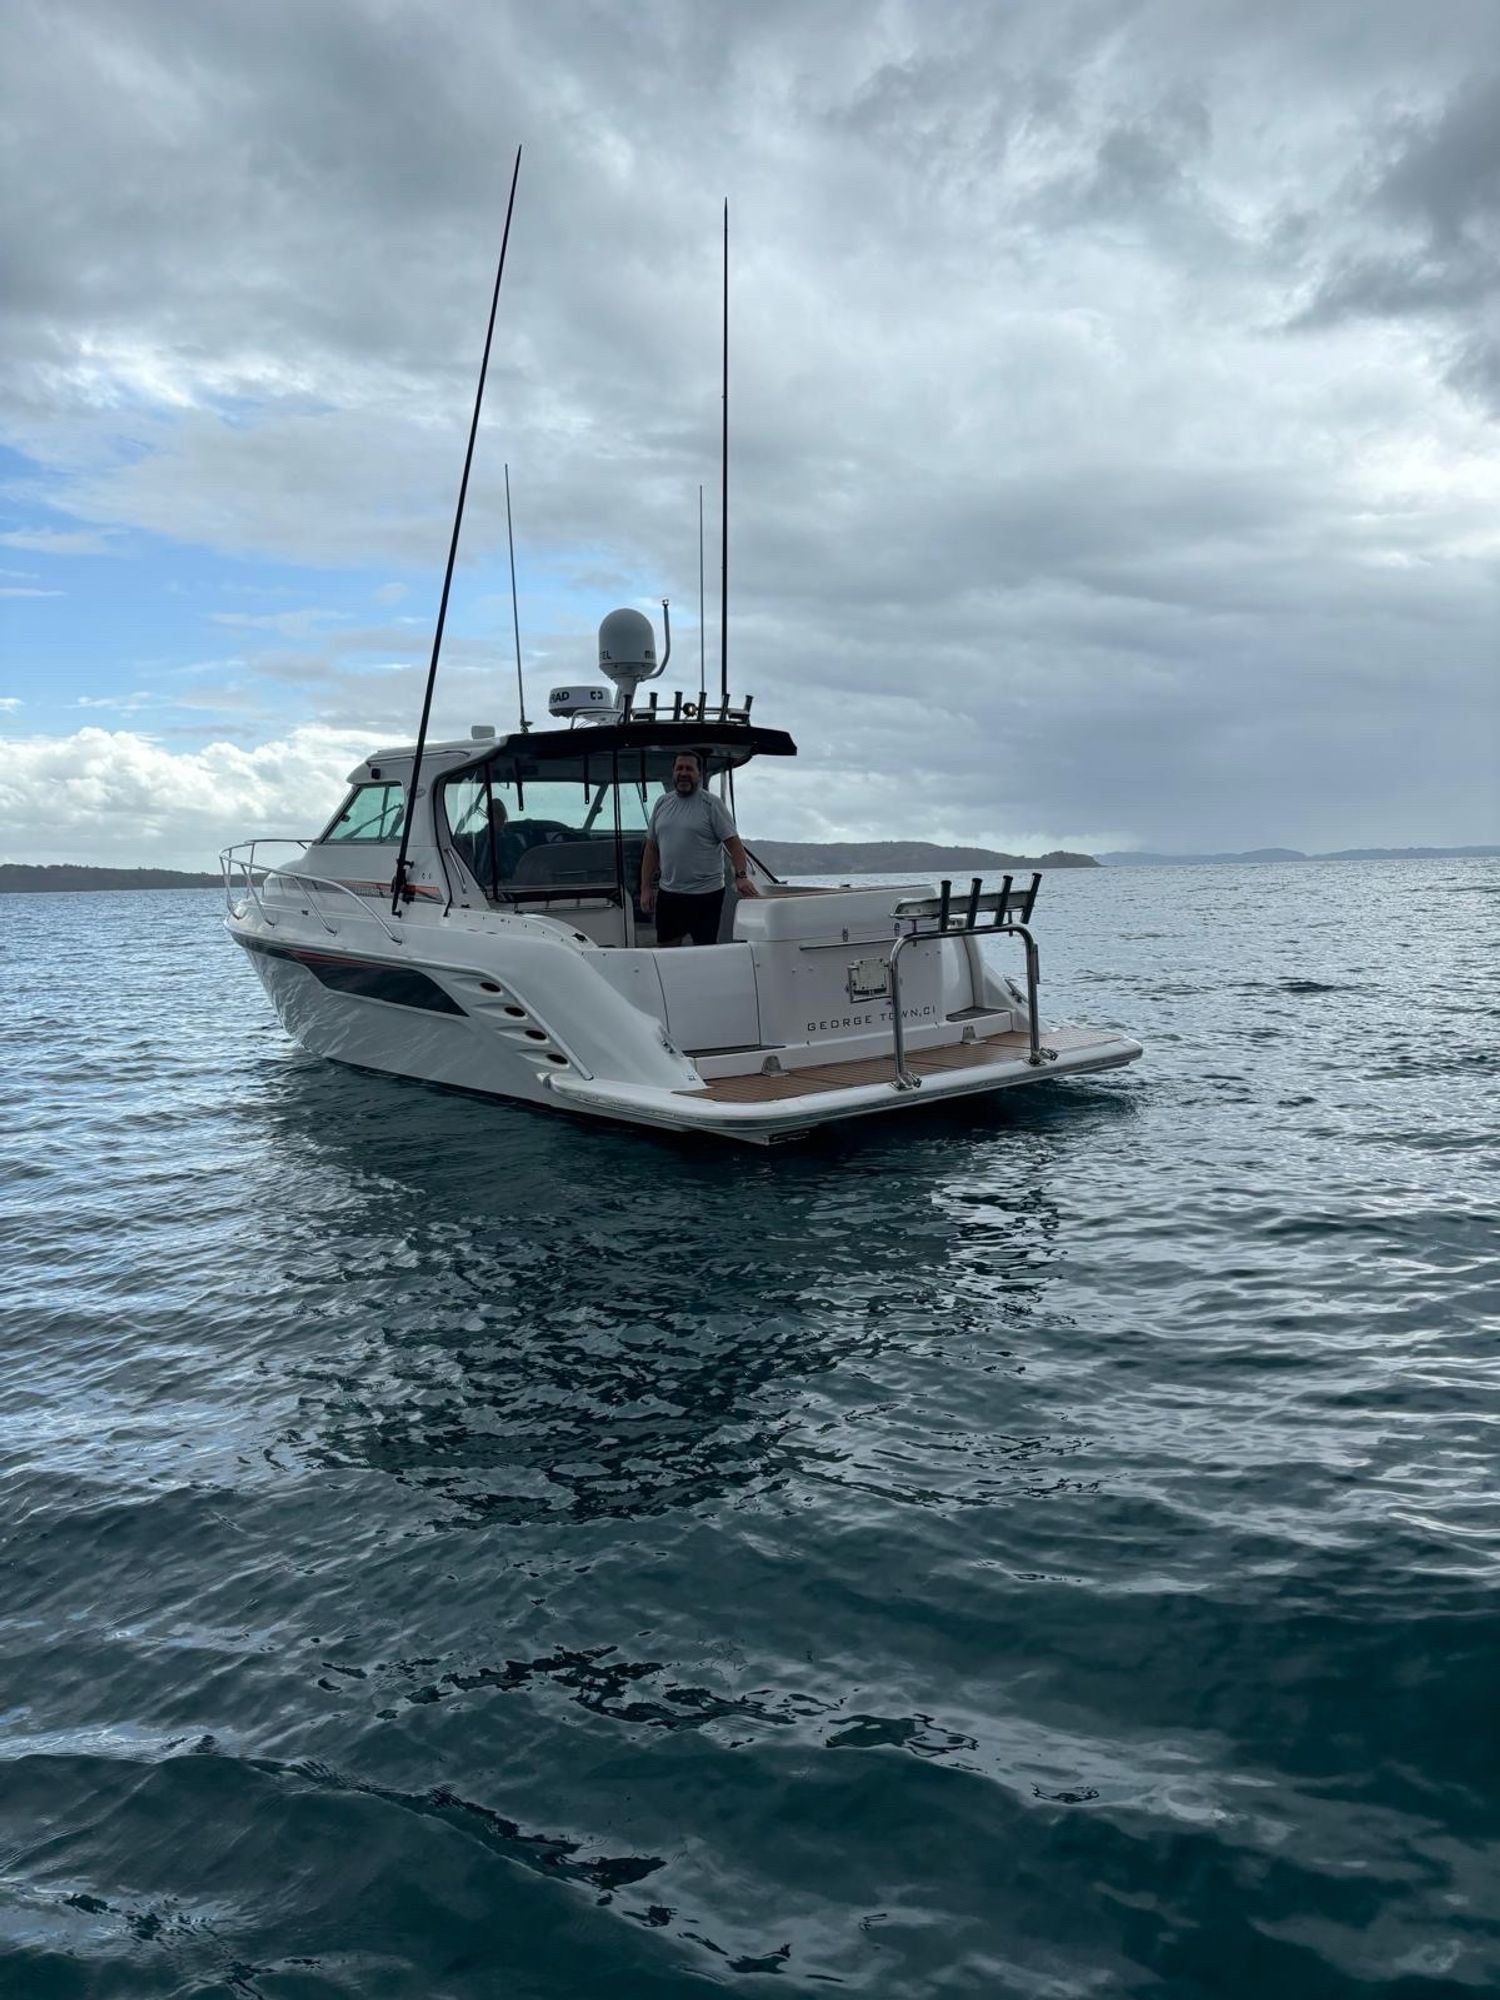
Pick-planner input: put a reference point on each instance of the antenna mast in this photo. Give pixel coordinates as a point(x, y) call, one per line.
point(724, 501)
point(702, 635)
point(398, 881)
point(515, 613)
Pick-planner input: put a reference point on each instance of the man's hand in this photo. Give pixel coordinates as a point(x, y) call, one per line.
point(743, 886)
point(647, 899)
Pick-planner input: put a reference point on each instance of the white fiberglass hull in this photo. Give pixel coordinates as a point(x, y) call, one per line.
point(518, 1013)
point(1066, 1052)
point(425, 1042)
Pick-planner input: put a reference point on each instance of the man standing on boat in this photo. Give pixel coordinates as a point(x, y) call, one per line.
point(685, 845)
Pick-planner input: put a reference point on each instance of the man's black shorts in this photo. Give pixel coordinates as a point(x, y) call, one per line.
point(696, 917)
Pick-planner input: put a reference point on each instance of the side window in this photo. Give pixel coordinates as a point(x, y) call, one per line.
point(489, 847)
point(373, 812)
point(463, 804)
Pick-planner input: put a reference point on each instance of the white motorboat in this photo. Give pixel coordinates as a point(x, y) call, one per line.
point(526, 968)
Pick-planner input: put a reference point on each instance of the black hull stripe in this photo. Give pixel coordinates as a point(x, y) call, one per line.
point(396, 985)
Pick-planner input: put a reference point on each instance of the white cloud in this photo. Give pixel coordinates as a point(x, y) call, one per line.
point(288, 624)
point(97, 795)
point(60, 541)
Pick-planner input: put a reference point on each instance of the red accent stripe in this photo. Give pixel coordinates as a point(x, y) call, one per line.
point(384, 889)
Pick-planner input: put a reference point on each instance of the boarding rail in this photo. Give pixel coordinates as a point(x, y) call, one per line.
point(242, 859)
point(928, 919)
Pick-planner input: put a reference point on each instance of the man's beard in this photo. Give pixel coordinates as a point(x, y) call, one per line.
point(686, 786)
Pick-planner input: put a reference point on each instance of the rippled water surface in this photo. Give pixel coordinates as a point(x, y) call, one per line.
point(1054, 1550)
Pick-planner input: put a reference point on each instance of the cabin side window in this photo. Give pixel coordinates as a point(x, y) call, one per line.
point(372, 812)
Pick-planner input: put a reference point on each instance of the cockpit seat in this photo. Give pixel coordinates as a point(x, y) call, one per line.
point(563, 863)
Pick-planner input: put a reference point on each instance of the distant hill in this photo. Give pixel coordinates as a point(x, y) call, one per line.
point(793, 857)
point(1295, 854)
point(894, 857)
point(22, 878)
point(784, 857)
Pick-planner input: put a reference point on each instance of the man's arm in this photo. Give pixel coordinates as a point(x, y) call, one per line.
point(649, 860)
point(743, 886)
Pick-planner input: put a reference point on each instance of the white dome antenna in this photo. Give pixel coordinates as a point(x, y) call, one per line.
point(627, 650)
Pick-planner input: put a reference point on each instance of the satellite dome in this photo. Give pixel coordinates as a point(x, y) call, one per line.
point(627, 650)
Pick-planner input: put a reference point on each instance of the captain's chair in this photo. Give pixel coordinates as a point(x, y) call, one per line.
point(589, 864)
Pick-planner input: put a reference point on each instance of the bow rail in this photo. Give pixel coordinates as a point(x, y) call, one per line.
point(244, 871)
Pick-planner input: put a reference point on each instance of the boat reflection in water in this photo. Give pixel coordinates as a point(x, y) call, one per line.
point(530, 1355)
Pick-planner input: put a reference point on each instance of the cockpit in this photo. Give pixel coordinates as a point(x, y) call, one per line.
point(555, 821)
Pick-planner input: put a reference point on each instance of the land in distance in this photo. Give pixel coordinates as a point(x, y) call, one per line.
point(783, 857)
point(893, 857)
point(21, 877)
point(790, 857)
point(1127, 860)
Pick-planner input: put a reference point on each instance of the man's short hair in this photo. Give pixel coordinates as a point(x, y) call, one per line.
point(698, 758)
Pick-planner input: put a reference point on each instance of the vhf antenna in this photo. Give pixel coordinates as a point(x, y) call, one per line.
point(724, 500)
point(515, 612)
point(398, 880)
point(702, 634)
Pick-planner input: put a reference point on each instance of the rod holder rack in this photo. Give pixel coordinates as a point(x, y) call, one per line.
point(682, 709)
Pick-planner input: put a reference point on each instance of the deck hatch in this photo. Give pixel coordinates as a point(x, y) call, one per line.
point(869, 979)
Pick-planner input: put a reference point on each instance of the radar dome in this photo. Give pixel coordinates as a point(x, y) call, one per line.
point(627, 649)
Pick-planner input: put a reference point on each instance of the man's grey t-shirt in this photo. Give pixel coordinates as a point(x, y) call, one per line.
point(690, 835)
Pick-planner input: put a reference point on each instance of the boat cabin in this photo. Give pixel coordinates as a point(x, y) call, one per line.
point(549, 823)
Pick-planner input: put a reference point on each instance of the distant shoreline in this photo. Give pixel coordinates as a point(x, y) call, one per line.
point(19, 878)
point(1271, 855)
point(885, 857)
point(889, 857)
point(785, 857)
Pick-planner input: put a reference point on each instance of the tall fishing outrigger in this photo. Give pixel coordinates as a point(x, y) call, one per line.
point(427, 933)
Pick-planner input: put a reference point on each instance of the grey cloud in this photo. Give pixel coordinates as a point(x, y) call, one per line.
point(1031, 496)
point(1448, 171)
point(1433, 204)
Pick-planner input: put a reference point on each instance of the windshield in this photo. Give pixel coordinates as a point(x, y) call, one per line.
point(372, 812)
point(536, 837)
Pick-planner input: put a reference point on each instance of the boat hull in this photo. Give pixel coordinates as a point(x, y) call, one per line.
point(431, 1042)
point(469, 1029)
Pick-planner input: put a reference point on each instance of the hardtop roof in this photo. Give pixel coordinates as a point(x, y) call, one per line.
point(528, 751)
point(740, 740)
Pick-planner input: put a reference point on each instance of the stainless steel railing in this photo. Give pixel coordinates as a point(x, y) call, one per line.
point(240, 863)
point(932, 918)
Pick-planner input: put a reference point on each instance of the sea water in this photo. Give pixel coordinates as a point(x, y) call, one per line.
point(1045, 1549)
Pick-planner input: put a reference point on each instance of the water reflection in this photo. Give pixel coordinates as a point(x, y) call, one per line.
point(542, 1322)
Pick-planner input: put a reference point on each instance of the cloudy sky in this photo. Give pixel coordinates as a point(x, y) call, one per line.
point(1115, 403)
